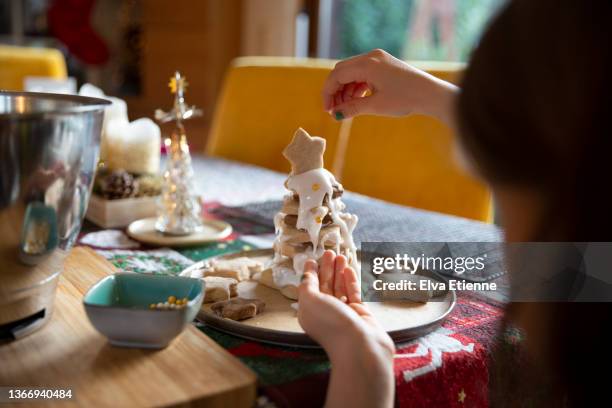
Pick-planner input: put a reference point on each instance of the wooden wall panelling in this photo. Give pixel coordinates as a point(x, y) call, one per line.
point(197, 37)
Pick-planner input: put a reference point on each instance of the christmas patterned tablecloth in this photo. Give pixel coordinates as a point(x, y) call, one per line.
point(448, 367)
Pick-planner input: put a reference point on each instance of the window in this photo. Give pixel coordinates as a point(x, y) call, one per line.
point(443, 30)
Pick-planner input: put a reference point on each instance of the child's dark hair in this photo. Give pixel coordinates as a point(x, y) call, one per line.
point(535, 112)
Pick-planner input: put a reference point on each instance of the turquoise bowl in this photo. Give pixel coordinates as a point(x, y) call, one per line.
point(118, 307)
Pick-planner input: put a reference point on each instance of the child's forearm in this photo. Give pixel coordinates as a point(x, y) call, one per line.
point(361, 376)
point(439, 101)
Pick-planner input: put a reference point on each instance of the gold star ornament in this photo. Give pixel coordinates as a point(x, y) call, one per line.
point(177, 83)
point(305, 152)
point(181, 110)
point(461, 396)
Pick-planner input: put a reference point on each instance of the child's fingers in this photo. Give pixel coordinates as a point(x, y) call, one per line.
point(347, 91)
point(350, 61)
point(338, 98)
point(352, 285)
point(328, 102)
point(310, 280)
point(357, 106)
point(361, 309)
point(360, 90)
point(326, 272)
point(339, 265)
point(351, 70)
point(340, 291)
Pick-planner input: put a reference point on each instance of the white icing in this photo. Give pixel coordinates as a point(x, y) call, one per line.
point(298, 262)
point(312, 187)
point(278, 222)
point(284, 276)
point(332, 237)
point(347, 223)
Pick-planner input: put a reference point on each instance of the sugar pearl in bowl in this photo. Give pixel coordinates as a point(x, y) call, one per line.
point(141, 310)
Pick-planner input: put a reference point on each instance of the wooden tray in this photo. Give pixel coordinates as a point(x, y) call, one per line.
point(69, 353)
point(278, 323)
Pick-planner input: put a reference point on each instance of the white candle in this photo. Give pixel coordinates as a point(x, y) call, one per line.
point(133, 146)
point(117, 111)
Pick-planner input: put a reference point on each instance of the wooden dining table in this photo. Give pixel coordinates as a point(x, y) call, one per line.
point(447, 367)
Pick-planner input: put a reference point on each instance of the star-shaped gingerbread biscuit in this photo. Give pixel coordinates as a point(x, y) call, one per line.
point(304, 152)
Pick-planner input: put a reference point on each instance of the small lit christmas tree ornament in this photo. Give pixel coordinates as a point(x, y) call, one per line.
point(179, 208)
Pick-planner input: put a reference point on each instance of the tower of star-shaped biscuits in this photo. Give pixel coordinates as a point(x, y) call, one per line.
point(312, 218)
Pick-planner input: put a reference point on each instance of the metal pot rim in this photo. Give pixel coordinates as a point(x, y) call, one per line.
point(86, 103)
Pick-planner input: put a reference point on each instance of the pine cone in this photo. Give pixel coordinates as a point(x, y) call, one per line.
point(149, 186)
point(118, 184)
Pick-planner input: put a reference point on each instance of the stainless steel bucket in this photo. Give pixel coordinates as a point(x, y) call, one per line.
point(48, 153)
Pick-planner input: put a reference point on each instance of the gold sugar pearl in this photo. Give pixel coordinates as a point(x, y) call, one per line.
point(172, 303)
point(319, 220)
point(315, 187)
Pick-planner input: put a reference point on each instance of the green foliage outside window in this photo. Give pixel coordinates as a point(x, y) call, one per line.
point(389, 24)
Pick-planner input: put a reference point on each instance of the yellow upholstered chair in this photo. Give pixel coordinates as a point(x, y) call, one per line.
point(16, 63)
point(403, 160)
point(262, 102)
point(410, 161)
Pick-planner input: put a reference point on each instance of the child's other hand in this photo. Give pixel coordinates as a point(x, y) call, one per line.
point(331, 312)
point(378, 83)
point(360, 351)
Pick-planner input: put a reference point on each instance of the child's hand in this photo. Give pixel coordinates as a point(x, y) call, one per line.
point(361, 352)
point(380, 84)
point(330, 302)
